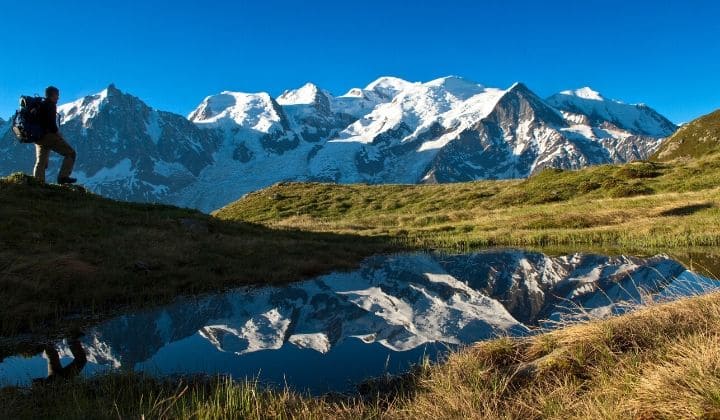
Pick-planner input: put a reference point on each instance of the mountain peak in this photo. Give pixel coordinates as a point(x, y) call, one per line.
point(253, 110)
point(307, 94)
point(88, 106)
point(457, 86)
point(518, 86)
point(389, 86)
point(453, 81)
point(584, 93)
point(112, 92)
point(355, 93)
point(388, 81)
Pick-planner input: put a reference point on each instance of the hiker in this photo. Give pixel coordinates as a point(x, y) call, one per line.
point(52, 140)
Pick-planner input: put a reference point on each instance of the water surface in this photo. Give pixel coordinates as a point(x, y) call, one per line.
point(331, 332)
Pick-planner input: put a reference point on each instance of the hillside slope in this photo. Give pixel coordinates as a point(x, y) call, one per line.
point(65, 252)
point(639, 204)
point(696, 139)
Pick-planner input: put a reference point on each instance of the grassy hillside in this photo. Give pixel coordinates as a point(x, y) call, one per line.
point(694, 140)
point(638, 205)
point(67, 253)
point(659, 362)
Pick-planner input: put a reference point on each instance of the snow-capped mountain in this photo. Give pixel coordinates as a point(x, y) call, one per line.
point(446, 130)
point(126, 149)
point(577, 105)
point(399, 302)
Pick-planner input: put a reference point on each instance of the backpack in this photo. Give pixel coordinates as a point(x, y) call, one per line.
point(25, 124)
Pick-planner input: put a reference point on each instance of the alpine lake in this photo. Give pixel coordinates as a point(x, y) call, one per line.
point(333, 332)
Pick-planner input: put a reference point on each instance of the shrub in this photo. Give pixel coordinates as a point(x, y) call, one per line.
point(630, 190)
point(639, 170)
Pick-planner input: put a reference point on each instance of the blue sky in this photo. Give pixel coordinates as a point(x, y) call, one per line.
point(174, 53)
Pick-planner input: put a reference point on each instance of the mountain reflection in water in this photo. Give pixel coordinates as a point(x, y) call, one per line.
point(331, 332)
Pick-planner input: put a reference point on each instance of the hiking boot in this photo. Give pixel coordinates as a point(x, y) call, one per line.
point(66, 180)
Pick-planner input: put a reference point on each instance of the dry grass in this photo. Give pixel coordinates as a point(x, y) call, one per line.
point(662, 361)
point(690, 374)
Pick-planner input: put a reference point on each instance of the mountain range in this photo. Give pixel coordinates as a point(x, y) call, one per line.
point(392, 131)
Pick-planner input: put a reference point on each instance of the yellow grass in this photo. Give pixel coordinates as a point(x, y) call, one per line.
point(662, 361)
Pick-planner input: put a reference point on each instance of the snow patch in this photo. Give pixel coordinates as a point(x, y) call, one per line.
point(122, 170)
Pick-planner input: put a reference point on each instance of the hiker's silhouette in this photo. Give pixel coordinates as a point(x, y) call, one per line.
point(56, 370)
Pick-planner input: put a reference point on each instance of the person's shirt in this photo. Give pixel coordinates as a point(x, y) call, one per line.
point(47, 116)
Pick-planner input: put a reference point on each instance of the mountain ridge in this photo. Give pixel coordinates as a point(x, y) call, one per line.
point(449, 129)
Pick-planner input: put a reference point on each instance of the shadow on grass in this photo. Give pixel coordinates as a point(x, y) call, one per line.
point(69, 258)
point(687, 210)
point(384, 391)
